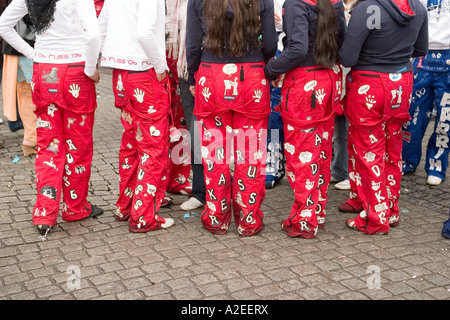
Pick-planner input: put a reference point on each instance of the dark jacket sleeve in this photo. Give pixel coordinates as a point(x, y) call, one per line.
point(295, 26)
point(340, 22)
point(194, 39)
point(421, 45)
point(356, 34)
point(269, 32)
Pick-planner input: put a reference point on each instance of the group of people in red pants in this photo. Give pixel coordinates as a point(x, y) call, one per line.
point(230, 51)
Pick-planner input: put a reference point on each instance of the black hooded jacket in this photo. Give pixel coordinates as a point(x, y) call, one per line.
point(383, 35)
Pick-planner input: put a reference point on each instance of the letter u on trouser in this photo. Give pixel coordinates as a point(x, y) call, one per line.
point(233, 105)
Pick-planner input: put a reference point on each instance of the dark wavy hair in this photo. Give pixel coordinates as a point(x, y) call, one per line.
point(245, 26)
point(41, 13)
point(326, 47)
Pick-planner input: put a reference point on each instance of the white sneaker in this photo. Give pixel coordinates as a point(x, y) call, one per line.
point(191, 204)
point(169, 222)
point(434, 181)
point(343, 185)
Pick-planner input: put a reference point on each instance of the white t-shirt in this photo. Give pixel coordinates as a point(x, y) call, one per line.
point(133, 35)
point(72, 37)
point(278, 8)
point(438, 24)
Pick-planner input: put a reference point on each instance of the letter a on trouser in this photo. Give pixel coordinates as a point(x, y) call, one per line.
point(307, 108)
point(232, 105)
point(379, 108)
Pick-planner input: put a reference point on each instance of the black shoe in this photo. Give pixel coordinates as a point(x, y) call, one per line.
point(43, 229)
point(96, 211)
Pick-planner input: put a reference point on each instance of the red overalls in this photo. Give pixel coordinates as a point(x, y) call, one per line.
point(232, 104)
point(65, 101)
point(377, 106)
point(310, 97)
point(144, 151)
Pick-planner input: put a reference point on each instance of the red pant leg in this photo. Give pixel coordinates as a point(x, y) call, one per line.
point(153, 149)
point(128, 166)
point(248, 192)
point(149, 100)
point(303, 158)
point(326, 155)
point(215, 147)
point(65, 102)
point(379, 107)
point(80, 100)
point(49, 164)
point(307, 106)
point(179, 167)
point(370, 178)
point(77, 168)
point(353, 199)
point(393, 167)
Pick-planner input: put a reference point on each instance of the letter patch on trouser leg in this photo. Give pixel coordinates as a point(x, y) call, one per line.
point(153, 149)
point(250, 143)
point(49, 165)
point(77, 168)
point(215, 148)
point(128, 166)
point(247, 190)
point(303, 148)
point(370, 179)
point(65, 118)
point(353, 198)
point(326, 154)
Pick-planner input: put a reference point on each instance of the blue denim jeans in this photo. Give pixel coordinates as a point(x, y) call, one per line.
point(339, 165)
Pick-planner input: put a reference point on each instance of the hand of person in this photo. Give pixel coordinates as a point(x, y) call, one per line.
point(161, 76)
point(95, 77)
point(192, 90)
point(278, 18)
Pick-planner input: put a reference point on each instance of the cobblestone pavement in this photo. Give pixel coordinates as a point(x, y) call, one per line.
point(186, 262)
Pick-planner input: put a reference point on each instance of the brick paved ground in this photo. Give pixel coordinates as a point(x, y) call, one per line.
point(187, 262)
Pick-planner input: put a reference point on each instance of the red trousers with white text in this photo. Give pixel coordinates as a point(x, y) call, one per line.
point(309, 99)
point(144, 151)
point(65, 101)
point(377, 107)
point(233, 105)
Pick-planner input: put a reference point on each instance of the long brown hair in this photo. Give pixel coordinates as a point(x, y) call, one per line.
point(326, 48)
point(245, 26)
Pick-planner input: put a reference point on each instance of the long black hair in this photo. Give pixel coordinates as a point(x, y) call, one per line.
point(41, 13)
point(326, 48)
point(245, 28)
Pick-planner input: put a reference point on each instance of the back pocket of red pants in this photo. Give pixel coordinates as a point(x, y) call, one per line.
point(79, 91)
